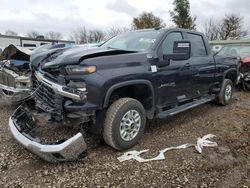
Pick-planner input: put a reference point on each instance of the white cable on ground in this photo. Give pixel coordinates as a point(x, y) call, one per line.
point(135, 155)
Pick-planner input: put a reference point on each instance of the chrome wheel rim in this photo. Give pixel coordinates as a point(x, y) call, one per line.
point(130, 125)
point(228, 92)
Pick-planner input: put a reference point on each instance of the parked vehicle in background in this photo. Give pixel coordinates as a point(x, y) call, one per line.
point(15, 71)
point(115, 88)
point(14, 74)
point(217, 45)
point(242, 51)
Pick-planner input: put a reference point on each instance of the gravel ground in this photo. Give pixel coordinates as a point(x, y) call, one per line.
point(225, 166)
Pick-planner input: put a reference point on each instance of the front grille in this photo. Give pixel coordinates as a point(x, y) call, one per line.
point(46, 98)
point(7, 79)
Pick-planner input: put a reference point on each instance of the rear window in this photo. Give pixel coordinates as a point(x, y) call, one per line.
point(197, 45)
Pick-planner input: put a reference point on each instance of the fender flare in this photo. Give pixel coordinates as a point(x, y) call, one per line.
point(128, 83)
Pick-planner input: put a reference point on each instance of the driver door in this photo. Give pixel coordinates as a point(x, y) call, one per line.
point(173, 76)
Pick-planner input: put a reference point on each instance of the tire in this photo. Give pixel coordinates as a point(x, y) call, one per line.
point(226, 93)
point(124, 123)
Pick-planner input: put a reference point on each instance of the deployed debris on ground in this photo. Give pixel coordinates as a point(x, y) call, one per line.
point(135, 155)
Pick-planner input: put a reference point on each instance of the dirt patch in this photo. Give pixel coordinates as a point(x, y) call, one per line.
point(225, 166)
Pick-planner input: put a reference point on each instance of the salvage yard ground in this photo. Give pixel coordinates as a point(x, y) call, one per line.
point(225, 166)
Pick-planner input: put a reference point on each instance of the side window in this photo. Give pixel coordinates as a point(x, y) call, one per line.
point(198, 47)
point(168, 43)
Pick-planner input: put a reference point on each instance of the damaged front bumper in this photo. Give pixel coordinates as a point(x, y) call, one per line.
point(22, 126)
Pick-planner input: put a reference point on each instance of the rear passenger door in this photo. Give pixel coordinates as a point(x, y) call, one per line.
point(202, 65)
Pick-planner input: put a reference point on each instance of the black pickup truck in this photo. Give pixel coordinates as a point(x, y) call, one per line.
point(116, 87)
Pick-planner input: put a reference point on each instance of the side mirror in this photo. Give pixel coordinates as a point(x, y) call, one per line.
point(181, 51)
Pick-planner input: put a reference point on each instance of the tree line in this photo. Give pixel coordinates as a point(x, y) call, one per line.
point(228, 27)
point(80, 35)
point(34, 34)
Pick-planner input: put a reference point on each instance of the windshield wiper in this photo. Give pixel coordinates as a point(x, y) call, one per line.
point(110, 47)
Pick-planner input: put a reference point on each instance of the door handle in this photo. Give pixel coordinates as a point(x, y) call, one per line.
point(187, 65)
point(211, 63)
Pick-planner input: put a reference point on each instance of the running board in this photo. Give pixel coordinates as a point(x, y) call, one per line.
point(184, 107)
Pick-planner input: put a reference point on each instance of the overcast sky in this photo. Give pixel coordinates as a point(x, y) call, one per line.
point(66, 15)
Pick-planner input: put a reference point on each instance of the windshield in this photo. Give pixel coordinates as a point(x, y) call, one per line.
point(133, 41)
point(240, 51)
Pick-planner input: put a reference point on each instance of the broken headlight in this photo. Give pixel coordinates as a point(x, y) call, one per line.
point(75, 69)
point(81, 86)
point(81, 92)
point(77, 88)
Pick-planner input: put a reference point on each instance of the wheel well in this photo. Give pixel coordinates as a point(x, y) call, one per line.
point(140, 92)
point(232, 75)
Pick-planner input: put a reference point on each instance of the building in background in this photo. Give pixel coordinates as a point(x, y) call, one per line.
point(26, 42)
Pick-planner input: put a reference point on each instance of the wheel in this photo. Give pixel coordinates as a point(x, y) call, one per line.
point(226, 92)
point(124, 123)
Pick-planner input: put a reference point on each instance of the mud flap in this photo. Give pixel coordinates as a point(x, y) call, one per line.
point(22, 126)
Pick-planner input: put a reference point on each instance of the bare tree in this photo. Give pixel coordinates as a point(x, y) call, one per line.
point(80, 35)
point(11, 33)
point(96, 35)
point(232, 27)
point(53, 35)
point(212, 29)
point(113, 31)
point(33, 34)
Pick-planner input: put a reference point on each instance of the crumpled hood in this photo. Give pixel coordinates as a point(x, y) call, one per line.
point(74, 56)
